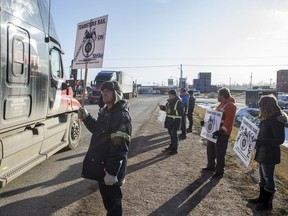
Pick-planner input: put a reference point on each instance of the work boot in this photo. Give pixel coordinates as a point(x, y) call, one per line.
point(260, 199)
point(182, 136)
point(169, 148)
point(189, 130)
point(267, 203)
point(173, 151)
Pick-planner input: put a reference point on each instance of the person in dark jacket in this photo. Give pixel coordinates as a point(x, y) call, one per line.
point(191, 106)
point(174, 111)
point(270, 137)
point(106, 158)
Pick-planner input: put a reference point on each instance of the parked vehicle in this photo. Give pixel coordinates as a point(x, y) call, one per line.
point(283, 101)
point(196, 92)
point(94, 96)
point(127, 83)
point(38, 111)
point(253, 96)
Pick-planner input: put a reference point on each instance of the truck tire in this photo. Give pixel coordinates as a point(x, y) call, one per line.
point(74, 132)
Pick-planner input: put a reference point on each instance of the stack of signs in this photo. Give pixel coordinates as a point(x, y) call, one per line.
point(212, 122)
point(245, 143)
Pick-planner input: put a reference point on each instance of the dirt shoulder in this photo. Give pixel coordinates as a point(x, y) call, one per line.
point(160, 184)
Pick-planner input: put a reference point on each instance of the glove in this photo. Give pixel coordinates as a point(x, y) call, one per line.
point(110, 179)
point(217, 134)
point(202, 123)
point(82, 113)
point(162, 107)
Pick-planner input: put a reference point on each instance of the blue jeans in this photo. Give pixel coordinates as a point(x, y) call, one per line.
point(112, 199)
point(267, 181)
point(174, 138)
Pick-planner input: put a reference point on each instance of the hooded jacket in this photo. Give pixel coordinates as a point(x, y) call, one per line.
point(228, 109)
point(109, 144)
point(270, 137)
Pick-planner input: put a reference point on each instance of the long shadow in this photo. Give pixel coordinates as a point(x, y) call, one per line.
point(182, 204)
point(142, 144)
point(148, 162)
point(52, 202)
point(56, 200)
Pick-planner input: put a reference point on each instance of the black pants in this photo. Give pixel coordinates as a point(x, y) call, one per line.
point(112, 199)
point(183, 125)
point(174, 138)
point(190, 119)
point(217, 151)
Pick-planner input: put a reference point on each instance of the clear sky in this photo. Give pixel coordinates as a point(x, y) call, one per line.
point(150, 39)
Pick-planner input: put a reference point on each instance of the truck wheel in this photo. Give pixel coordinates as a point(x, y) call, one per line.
point(74, 132)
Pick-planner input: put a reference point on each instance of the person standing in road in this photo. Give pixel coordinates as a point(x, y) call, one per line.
point(106, 158)
point(270, 137)
point(185, 99)
point(174, 112)
point(191, 106)
point(218, 150)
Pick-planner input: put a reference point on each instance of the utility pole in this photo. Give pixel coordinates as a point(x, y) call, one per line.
point(181, 77)
point(251, 81)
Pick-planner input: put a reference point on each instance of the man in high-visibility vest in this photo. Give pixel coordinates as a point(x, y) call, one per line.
point(174, 111)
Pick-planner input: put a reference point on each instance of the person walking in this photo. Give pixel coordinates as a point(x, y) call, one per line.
point(185, 99)
point(271, 136)
point(191, 106)
point(174, 112)
point(217, 151)
point(106, 158)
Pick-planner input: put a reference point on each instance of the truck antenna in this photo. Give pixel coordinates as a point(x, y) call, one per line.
point(47, 38)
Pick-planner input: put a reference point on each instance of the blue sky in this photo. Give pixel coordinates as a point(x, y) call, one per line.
point(149, 39)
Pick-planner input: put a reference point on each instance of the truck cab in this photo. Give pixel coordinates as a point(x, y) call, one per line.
point(38, 111)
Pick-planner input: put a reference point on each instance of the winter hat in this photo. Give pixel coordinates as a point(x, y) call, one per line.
point(190, 92)
point(114, 86)
point(182, 90)
point(172, 92)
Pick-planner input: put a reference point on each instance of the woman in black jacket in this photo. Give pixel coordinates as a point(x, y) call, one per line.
point(271, 136)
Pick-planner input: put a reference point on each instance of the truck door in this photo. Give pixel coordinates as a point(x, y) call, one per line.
point(58, 99)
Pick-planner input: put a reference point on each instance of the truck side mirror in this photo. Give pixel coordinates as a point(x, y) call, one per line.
point(64, 86)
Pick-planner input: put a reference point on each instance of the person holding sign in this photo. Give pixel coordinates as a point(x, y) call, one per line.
point(270, 137)
point(106, 158)
point(217, 151)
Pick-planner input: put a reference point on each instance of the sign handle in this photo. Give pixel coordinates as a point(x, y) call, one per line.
point(84, 86)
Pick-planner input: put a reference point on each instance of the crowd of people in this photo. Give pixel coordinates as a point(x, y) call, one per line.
point(106, 158)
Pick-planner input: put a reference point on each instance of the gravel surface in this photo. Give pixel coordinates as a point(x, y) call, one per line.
point(160, 184)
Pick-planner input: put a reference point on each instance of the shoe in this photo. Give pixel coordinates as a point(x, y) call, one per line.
point(182, 136)
point(173, 152)
point(189, 131)
point(217, 176)
point(168, 148)
point(208, 169)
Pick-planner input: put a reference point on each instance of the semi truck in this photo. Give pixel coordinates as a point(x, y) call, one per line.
point(129, 87)
point(38, 111)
